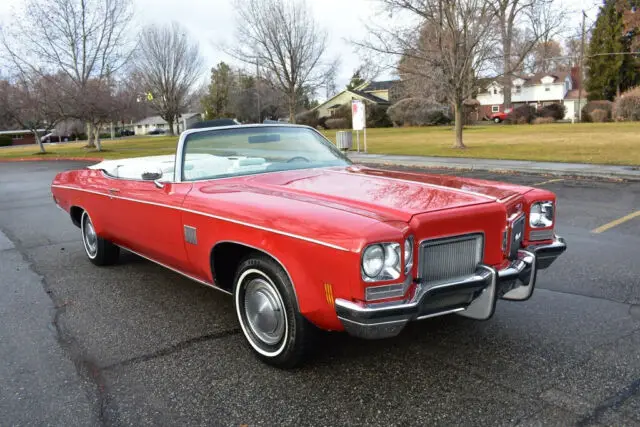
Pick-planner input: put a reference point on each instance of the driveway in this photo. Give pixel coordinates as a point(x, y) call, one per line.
point(135, 344)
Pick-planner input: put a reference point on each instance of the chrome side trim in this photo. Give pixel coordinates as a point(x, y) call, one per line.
point(259, 227)
point(182, 273)
point(441, 187)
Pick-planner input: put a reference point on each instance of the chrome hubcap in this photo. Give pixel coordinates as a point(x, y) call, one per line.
point(90, 237)
point(264, 311)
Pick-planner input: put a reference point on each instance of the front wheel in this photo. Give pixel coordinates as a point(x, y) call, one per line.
point(268, 312)
point(100, 251)
point(497, 119)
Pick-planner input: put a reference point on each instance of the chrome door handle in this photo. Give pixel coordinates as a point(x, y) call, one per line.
point(114, 190)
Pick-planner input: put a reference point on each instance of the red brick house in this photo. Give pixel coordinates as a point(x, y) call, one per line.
point(20, 137)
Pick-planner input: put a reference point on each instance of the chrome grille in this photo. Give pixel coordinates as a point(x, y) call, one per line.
point(449, 258)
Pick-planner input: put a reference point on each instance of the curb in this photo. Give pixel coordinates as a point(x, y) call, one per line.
point(513, 170)
point(51, 159)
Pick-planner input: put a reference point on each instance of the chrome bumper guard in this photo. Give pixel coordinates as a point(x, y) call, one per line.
point(473, 296)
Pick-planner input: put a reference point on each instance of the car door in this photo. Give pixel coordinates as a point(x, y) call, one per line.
point(149, 219)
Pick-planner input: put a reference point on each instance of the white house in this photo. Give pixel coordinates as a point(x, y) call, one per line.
point(537, 89)
point(371, 92)
point(149, 124)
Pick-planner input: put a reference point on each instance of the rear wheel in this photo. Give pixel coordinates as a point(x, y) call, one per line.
point(99, 250)
point(497, 119)
point(268, 312)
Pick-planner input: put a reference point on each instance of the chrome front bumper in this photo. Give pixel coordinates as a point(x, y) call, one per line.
point(473, 296)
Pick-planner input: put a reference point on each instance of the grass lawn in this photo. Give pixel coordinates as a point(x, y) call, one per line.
point(606, 143)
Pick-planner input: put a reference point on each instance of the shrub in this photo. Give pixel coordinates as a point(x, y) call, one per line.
point(343, 112)
point(5, 140)
point(523, 114)
point(627, 105)
point(554, 111)
point(437, 117)
point(322, 122)
point(599, 116)
point(596, 105)
point(543, 120)
point(338, 123)
point(416, 112)
point(308, 118)
point(377, 116)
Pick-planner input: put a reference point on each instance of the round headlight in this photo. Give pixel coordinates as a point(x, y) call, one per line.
point(541, 215)
point(373, 261)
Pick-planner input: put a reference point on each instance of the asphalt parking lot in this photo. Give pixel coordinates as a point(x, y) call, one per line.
point(135, 344)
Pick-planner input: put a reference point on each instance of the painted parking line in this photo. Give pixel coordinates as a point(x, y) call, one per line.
point(616, 222)
point(549, 181)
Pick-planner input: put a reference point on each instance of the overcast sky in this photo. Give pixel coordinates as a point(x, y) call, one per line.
point(212, 23)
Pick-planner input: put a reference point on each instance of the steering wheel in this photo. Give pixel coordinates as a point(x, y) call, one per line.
point(297, 159)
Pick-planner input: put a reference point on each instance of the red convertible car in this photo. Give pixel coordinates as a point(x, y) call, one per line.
point(277, 217)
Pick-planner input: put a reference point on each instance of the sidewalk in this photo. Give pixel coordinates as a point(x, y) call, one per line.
point(547, 168)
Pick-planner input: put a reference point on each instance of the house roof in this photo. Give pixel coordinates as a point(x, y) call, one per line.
point(370, 97)
point(536, 79)
point(18, 131)
point(357, 93)
point(157, 120)
point(380, 85)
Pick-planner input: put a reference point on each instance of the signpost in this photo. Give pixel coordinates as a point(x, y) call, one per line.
point(359, 118)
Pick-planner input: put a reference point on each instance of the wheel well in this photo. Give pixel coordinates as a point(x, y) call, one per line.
point(76, 215)
point(225, 259)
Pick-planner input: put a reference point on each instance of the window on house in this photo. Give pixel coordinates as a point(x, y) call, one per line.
point(547, 89)
point(495, 91)
point(518, 89)
point(160, 126)
point(17, 136)
point(139, 126)
point(146, 126)
point(495, 108)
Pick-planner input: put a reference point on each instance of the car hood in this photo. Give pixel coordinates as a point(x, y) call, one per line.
point(385, 195)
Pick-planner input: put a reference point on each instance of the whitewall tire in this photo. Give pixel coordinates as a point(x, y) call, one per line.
point(98, 250)
point(268, 313)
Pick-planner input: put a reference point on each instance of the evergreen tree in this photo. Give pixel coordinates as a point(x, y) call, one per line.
point(608, 75)
point(356, 79)
point(217, 103)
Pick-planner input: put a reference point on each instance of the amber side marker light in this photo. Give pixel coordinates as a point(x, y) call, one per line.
point(328, 292)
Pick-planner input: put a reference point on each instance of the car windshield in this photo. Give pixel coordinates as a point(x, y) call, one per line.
point(248, 150)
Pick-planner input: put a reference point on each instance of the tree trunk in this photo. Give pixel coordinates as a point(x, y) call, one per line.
point(96, 136)
point(170, 123)
point(459, 125)
point(506, 79)
point(292, 107)
point(90, 143)
point(38, 140)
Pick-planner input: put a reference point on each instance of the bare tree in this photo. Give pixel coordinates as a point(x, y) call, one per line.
point(169, 64)
point(284, 39)
point(455, 39)
point(535, 21)
point(546, 57)
point(31, 102)
point(84, 40)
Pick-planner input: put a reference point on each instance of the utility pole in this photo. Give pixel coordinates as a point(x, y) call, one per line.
point(581, 68)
